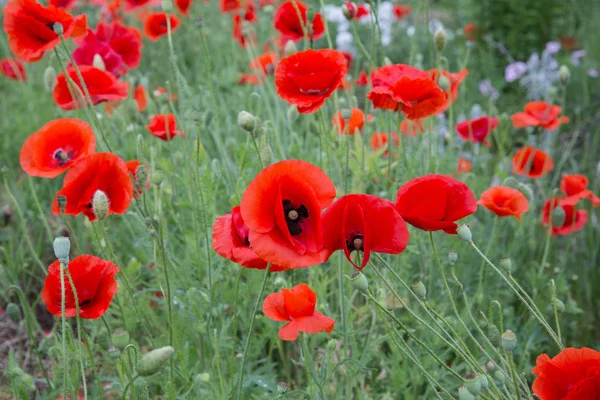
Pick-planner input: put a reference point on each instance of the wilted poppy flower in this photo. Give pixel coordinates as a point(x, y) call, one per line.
point(539, 113)
point(132, 167)
point(164, 126)
point(531, 162)
point(463, 166)
point(230, 240)
point(574, 374)
point(454, 80)
point(562, 216)
point(102, 86)
point(13, 69)
point(362, 80)
point(229, 5)
point(106, 172)
point(119, 46)
point(296, 306)
point(57, 146)
point(412, 89)
point(504, 201)
point(290, 20)
point(411, 128)
point(95, 284)
point(141, 99)
point(29, 27)
point(575, 187)
point(401, 11)
point(307, 78)
point(355, 122)
point(477, 130)
point(155, 25)
point(282, 209)
point(435, 202)
point(183, 6)
point(379, 140)
point(363, 223)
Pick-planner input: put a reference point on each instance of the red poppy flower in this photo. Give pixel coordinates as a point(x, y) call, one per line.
point(119, 46)
point(230, 240)
point(13, 69)
point(454, 80)
point(539, 113)
point(183, 6)
point(141, 99)
point(238, 32)
point(64, 4)
point(29, 27)
point(355, 122)
point(365, 223)
point(250, 15)
point(477, 130)
point(164, 127)
point(282, 209)
point(435, 202)
point(132, 167)
point(161, 92)
point(574, 374)
point(57, 146)
point(362, 80)
point(100, 171)
point(471, 32)
point(102, 86)
point(229, 5)
point(296, 306)
point(155, 25)
point(250, 79)
point(574, 219)
point(575, 186)
point(531, 162)
point(94, 281)
point(289, 24)
point(401, 11)
point(307, 78)
point(380, 140)
point(413, 89)
point(504, 201)
point(265, 63)
point(411, 128)
point(463, 166)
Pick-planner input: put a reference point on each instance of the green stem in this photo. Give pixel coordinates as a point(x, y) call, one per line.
point(64, 326)
point(555, 308)
point(307, 365)
point(487, 251)
point(79, 333)
point(39, 207)
point(235, 320)
point(513, 374)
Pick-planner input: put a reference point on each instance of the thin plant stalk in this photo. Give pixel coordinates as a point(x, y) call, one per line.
point(79, 333)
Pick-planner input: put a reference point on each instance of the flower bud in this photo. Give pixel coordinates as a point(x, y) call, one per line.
point(13, 312)
point(103, 340)
point(266, 155)
point(490, 366)
point(58, 28)
point(349, 10)
point(499, 376)
point(506, 264)
point(100, 204)
point(292, 113)
point(246, 121)
point(62, 202)
point(62, 247)
point(49, 78)
point(331, 345)
point(440, 38)
point(282, 387)
point(279, 282)
point(290, 48)
point(420, 290)
point(141, 177)
point(204, 377)
point(452, 257)
point(560, 306)
point(464, 394)
point(114, 353)
point(464, 233)
point(558, 217)
point(167, 5)
point(157, 178)
point(494, 335)
point(564, 74)
point(444, 83)
point(509, 340)
point(473, 384)
point(346, 113)
point(387, 61)
point(360, 282)
point(98, 62)
point(120, 338)
point(154, 360)
point(483, 381)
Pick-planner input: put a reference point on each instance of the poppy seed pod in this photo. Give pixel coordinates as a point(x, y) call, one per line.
point(473, 384)
point(499, 376)
point(464, 394)
point(564, 74)
point(360, 282)
point(452, 257)
point(62, 246)
point(13, 312)
point(346, 113)
point(98, 62)
point(490, 366)
point(420, 290)
point(103, 340)
point(62, 202)
point(58, 28)
point(558, 216)
point(154, 360)
point(114, 353)
point(440, 38)
point(509, 340)
point(49, 78)
point(444, 83)
point(464, 233)
point(506, 264)
point(246, 121)
point(483, 381)
point(120, 338)
point(290, 48)
point(100, 204)
point(167, 5)
point(157, 178)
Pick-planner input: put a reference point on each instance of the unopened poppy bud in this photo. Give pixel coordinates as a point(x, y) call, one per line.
point(290, 48)
point(292, 113)
point(167, 5)
point(473, 384)
point(494, 335)
point(195, 115)
point(483, 381)
point(279, 282)
point(499, 376)
point(62, 247)
point(346, 113)
point(153, 361)
point(452, 257)
point(246, 121)
point(387, 61)
point(464, 233)
point(464, 394)
point(100, 204)
point(282, 387)
point(266, 155)
point(560, 306)
point(113, 352)
point(49, 78)
point(558, 216)
point(564, 74)
point(62, 202)
point(13, 312)
point(140, 389)
point(98, 62)
point(490, 366)
point(440, 37)
point(331, 345)
point(141, 177)
point(506, 264)
point(444, 83)
point(103, 340)
point(58, 28)
point(509, 340)
point(420, 290)
point(157, 178)
point(120, 338)
point(349, 10)
point(360, 282)
point(202, 378)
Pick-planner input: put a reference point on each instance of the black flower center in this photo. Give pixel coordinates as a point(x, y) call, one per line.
point(62, 157)
point(294, 215)
point(355, 242)
point(85, 303)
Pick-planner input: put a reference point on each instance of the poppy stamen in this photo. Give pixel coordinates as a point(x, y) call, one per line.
point(62, 157)
point(294, 216)
point(355, 243)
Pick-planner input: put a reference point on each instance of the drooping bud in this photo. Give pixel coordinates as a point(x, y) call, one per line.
point(13, 312)
point(558, 217)
point(140, 389)
point(464, 233)
point(62, 247)
point(420, 290)
point(98, 62)
point(560, 306)
point(360, 282)
point(141, 177)
point(464, 394)
point(331, 345)
point(49, 78)
point(100, 204)
point(440, 38)
point(62, 202)
point(564, 74)
point(444, 83)
point(494, 335)
point(282, 388)
point(473, 384)
point(266, 155)
point(154, 360)
point(349, 10)
point(452, 257)
point(167, 5)
point(157, 178)
point(246, 121)
point(509, 340)
point(58, 28)
point(120, 338)
point(290, 48)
